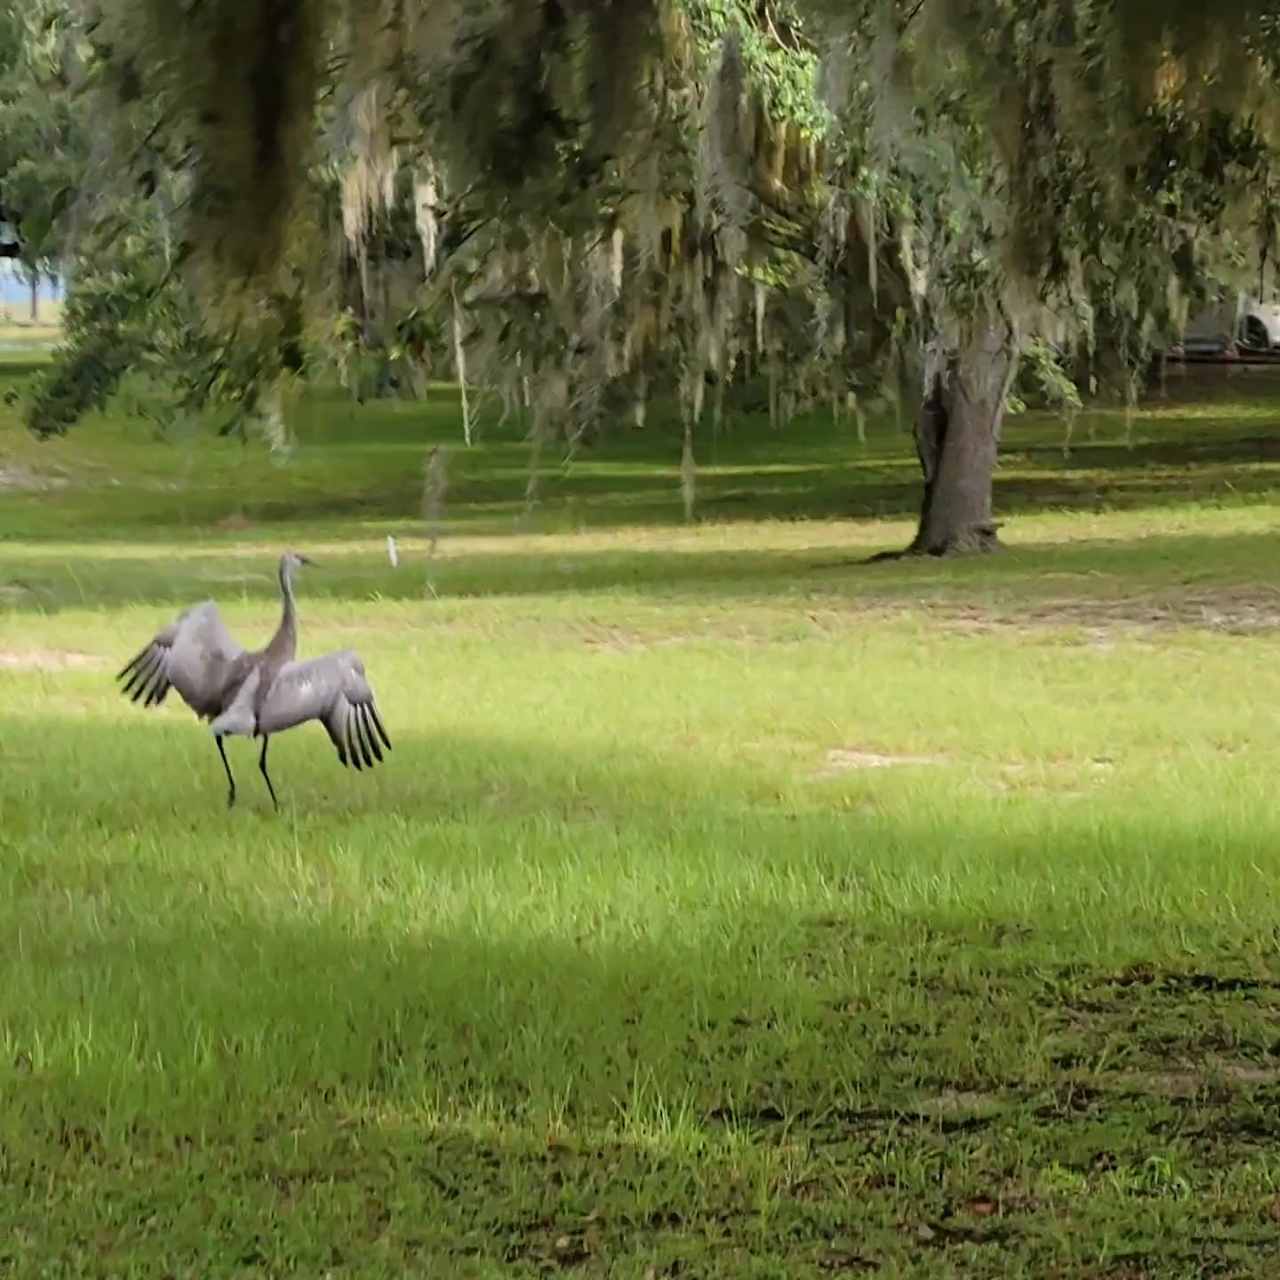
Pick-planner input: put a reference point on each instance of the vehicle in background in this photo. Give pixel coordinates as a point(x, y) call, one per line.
point(1234, 326)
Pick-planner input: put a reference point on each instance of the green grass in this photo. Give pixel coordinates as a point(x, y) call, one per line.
point(620, 966)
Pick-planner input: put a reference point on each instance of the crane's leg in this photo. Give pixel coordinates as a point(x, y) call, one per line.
point(262, 764)
point(231, 798)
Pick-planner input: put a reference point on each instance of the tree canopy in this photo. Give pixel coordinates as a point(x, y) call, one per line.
point(576, 201)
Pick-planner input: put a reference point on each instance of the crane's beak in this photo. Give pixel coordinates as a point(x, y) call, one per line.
point(306, 560)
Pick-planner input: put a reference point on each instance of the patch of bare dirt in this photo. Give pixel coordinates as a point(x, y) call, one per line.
point(21, 479)
point(1098, 621)
point(1188, 1083)
point(958, 1102)
point(843, 760)
point(236, 520)
point(47, 659)
point(1050, 777)
point(1234, 610)
point(612, 639)
point(622, 640)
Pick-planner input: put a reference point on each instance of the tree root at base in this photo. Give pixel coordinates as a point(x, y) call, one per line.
point(981, 539)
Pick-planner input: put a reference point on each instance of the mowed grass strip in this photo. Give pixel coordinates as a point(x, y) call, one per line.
point(725, 908)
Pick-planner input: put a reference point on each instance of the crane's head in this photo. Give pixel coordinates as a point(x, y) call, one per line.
point(290, 563)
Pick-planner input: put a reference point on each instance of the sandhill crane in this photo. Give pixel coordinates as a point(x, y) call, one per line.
point(261, 693)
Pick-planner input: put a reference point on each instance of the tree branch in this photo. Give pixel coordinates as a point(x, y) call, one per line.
point(911, 17)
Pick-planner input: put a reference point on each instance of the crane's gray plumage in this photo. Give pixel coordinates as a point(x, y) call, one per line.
point(195, 655)
point(260, 693)
point(333, 690)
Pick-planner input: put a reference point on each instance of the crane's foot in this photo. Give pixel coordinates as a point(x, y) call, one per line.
point(262, 766)
point(231, 782)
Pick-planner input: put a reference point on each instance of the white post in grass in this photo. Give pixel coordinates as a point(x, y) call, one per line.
point(460, 365)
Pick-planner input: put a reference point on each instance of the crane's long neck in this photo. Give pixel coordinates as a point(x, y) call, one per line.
point(284, 644)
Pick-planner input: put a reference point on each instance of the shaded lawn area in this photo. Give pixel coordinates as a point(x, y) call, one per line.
point(726, 907)
point(357, 471)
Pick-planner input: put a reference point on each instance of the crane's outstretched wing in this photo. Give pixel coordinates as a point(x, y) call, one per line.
point(333, 690)
point(195, 655)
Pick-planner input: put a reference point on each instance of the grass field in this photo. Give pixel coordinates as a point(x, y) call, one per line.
point(727, 907)
point(20, 337)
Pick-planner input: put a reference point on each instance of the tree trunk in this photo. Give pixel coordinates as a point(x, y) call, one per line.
point(957, 435)
point(35, 298)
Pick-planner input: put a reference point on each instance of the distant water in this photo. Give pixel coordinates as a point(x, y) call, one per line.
point(15, 290)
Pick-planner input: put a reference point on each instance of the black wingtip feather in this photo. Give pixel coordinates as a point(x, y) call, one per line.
point(367, 745)
point(133, 662)
point(141, 678)
point(361, 741)
point(370, 736)
point(141, 689)
point(144, 682)
point(377, 723)
point(351, 748)
point(134, 680)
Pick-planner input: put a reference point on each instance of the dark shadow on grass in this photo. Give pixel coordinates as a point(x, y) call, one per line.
point(638, 499)
point(481, 1080)
point(1236, 450)
point(369, 467)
